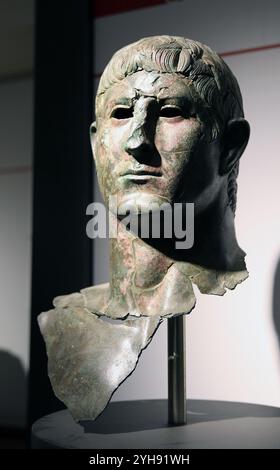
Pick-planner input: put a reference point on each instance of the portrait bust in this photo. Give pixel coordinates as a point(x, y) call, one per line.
point(169, 130)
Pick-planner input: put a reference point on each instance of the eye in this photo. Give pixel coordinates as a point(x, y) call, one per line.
point(171, 112)
point(122, 112)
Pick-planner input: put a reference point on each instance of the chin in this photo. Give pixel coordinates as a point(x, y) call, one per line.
point(139, 202)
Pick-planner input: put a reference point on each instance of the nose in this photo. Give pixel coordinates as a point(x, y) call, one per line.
point(138, 144)
point(140, 141)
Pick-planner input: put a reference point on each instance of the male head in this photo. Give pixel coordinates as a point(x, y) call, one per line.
point(170, 125)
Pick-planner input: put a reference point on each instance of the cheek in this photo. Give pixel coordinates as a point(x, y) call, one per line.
point(102, 159)
point(115, 140)
point(176, 144)
point(180, 136)
point(109, 156)
point(112, 144)
point(107, 147)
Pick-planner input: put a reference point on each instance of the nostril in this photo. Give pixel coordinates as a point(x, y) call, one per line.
point(136, 146)
point(143, 150)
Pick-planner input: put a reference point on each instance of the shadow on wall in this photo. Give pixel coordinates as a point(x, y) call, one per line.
point(13, 391)
point(276, 301)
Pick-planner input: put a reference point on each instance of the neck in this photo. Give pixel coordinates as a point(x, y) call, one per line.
point(215, 244)
point(144, 263)
point(134, 262)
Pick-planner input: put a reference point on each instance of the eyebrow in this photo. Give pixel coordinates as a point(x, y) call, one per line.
point(125, 101)
point(122, 101)
point(183, 102)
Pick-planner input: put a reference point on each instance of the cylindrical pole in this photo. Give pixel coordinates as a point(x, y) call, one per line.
point(177, 407)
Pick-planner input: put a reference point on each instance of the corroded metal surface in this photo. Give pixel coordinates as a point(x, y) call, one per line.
point(89, 357)
point(172, 296)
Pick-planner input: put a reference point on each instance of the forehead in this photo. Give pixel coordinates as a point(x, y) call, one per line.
point(153, 84)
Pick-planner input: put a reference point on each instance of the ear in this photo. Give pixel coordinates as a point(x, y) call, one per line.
point(92, 132)
point(235, 139)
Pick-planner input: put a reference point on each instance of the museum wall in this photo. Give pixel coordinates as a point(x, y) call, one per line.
point(16, 116)
point(232, 341)
point(15, 246)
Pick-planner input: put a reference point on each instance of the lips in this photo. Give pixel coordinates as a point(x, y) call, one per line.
point(142, 173)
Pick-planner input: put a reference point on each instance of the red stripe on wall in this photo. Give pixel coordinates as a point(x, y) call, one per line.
point(250, 49)
point(111, 7)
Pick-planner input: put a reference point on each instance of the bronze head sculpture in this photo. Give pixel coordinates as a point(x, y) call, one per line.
point(169, 128)
point(146, 87)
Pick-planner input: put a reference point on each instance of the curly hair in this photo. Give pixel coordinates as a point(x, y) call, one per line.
point(209, 75)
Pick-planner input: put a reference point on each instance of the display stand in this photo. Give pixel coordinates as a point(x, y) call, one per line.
point(177, 405)
point(142, 425)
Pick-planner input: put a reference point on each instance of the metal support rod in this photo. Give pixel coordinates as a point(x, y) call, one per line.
point(177, 407)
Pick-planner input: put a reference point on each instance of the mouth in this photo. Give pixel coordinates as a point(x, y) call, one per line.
point(141, 175)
